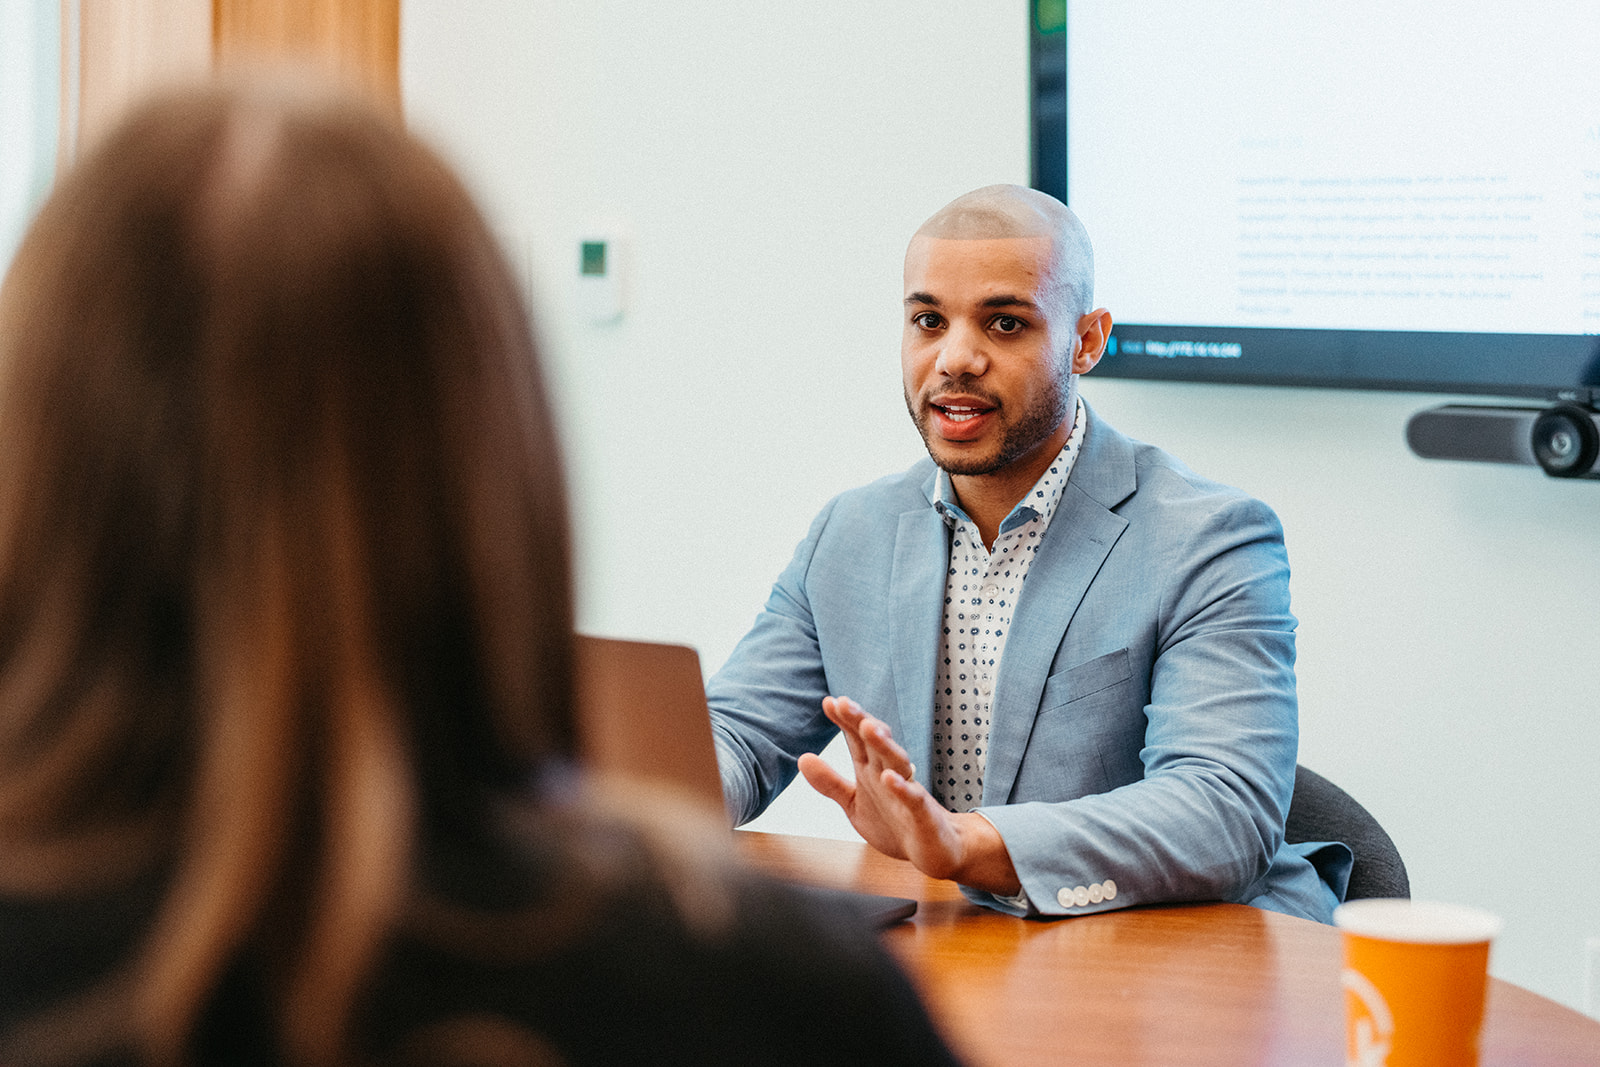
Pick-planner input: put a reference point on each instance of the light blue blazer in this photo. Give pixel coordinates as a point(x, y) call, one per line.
point(1145, 728)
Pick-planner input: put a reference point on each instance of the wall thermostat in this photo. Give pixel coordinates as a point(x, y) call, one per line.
point(601, 278)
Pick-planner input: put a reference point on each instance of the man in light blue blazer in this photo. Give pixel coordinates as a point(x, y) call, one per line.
point(1062, 661)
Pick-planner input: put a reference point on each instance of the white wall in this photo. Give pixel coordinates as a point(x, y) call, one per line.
point(771, 164)
point(29, 45)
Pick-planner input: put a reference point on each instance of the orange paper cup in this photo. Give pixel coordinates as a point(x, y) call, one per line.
point(1415, 976)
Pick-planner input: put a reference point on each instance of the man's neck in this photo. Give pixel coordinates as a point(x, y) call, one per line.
point(988, 498)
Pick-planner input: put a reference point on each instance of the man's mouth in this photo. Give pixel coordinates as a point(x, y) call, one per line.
point(956, 413)
point(961, 408)
point(961, 418)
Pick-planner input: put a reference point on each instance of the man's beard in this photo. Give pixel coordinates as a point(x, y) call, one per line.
point(1036, 424)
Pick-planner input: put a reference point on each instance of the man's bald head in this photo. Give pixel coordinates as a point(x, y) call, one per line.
point(1002, 211)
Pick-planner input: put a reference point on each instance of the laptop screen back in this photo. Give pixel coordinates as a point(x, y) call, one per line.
point(642, 713)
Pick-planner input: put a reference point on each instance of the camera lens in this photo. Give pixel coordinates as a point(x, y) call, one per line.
point(1565, 441)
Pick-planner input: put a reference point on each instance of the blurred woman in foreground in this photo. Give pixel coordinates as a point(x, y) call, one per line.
point(285, 639)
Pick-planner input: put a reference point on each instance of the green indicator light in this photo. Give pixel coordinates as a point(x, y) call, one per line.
point(592, 259)
point(1050, 16)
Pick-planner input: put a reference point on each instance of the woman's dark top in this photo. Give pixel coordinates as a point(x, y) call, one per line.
point(568, 958)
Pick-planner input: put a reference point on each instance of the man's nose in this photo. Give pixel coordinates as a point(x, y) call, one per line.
point(963, 353)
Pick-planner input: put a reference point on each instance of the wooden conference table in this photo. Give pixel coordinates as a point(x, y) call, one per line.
point(1203, 984)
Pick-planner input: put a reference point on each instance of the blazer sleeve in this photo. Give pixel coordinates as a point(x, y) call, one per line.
point(766, 700)
point(1205, 819)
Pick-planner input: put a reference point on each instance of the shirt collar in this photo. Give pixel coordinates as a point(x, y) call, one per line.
point(1037, 503)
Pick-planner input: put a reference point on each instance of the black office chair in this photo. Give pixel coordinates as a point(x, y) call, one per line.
point(1321, 811)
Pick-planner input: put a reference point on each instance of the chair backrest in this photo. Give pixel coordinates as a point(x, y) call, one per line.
point(1321, 811)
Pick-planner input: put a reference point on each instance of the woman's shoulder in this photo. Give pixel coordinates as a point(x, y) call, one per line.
point(621, 929)
point(645, 939)
point(53, 945)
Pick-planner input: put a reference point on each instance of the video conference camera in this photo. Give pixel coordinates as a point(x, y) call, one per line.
point(1563, 440)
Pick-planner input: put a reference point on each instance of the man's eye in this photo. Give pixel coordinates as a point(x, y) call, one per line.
point(1007, 324)
point(927, 320)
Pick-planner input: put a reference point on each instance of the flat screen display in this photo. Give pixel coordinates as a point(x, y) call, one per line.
point(1396, 194)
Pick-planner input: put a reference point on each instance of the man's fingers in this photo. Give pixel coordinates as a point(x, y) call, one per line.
point(928, 834)
point(827, 781)
point(871, 744)
point(844, 714)
point(881, 743)
point(918, 802)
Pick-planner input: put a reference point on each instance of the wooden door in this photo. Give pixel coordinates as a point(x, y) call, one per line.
point(114, 51)
point(357, 39)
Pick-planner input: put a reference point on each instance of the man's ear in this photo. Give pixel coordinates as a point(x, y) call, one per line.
point(1093, 331)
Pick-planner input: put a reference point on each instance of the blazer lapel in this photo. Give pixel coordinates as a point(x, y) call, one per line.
point(1080, 536)
point(916, 591)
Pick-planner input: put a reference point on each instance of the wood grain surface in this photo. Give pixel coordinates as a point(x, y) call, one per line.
point(1202, 984)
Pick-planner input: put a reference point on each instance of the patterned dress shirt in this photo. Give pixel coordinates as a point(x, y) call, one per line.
point(980, 594)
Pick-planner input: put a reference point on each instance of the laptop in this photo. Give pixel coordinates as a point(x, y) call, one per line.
point(642, 714)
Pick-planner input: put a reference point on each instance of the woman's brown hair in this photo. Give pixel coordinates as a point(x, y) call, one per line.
point(284, 584)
